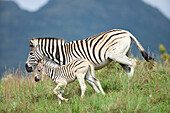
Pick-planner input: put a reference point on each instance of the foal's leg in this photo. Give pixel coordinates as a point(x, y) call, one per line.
point(59, 92)
point(96, 81)
point(92, 84)
point(83, 86)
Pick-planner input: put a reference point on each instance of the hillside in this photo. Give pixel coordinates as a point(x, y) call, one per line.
point(73, 20)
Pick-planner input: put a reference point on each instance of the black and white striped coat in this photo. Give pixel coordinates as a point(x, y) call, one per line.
point(62, 75)
point(100, 50)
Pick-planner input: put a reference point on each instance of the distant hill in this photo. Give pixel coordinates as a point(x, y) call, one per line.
point(74, 20)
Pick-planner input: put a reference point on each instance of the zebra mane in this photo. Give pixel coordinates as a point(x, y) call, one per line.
point(34, 41)
point(50, 38)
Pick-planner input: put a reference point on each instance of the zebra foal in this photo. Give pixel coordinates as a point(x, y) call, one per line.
point(63, 75)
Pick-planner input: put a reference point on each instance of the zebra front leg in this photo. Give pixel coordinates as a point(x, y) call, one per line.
point(57, 90)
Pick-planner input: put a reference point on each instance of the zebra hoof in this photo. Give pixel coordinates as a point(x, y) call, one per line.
point(66, 100)
point(104, 94)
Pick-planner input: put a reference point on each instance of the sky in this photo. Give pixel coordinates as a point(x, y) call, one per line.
point(30, 5)
point(33, 5)
point(162, 5)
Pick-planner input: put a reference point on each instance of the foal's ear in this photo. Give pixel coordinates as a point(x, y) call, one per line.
point(42, 61)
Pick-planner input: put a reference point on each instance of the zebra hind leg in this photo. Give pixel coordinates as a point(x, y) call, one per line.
point(95, 81)
point(130, 69)
point(83, 86)
point(126, 68)
point(128, 64)
point(93, 86)
point(91, 83)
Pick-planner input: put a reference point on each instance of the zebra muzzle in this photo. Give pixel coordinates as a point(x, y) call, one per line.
point(37, 79)
point(29, 69)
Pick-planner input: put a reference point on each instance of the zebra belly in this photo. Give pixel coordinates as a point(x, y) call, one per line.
point(102, 64)
point(70, 78)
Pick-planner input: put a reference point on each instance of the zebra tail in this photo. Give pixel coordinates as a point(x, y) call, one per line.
point(142, 50)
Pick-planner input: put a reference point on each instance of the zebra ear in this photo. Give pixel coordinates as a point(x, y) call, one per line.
point(43, 60)
point(31, 43)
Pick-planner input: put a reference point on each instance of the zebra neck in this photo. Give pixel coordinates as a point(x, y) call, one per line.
point(57, 52)
point(50, 70)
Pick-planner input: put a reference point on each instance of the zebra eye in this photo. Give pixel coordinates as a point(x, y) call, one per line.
point(39, 70)
point(31, 53)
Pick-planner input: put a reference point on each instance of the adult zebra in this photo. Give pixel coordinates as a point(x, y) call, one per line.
point(100, 50)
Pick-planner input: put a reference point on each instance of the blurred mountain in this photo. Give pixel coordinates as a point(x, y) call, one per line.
point(78, 19)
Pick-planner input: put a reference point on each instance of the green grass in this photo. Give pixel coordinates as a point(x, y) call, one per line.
point(147, 91)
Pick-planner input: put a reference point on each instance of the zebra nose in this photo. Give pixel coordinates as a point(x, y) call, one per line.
point(29, 69)
point(36, 79)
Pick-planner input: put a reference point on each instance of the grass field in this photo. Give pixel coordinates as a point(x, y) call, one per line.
point(147, 91)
